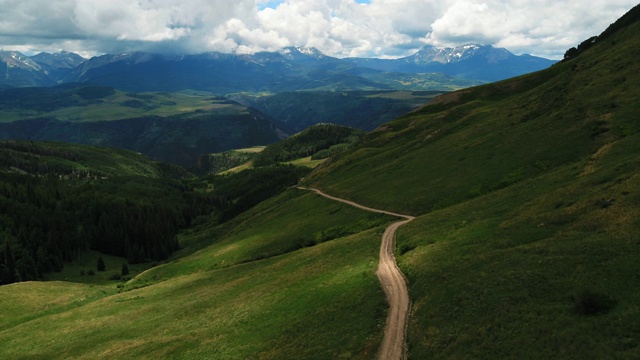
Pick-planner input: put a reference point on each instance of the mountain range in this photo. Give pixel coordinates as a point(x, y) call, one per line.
point(290, 69)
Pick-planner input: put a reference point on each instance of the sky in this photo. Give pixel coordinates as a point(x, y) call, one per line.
point(340, 28)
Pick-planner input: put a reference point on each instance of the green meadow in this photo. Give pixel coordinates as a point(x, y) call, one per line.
point(294, 279)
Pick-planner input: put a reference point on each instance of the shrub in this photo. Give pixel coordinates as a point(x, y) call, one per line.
point(593, 303)
point(405, 248)
point(114, 276)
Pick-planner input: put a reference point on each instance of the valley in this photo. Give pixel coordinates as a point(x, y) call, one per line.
point(182, 218)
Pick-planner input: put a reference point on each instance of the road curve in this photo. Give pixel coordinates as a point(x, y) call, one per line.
point(393, 283)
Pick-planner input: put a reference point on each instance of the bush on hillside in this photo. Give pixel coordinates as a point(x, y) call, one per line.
point(593, 303)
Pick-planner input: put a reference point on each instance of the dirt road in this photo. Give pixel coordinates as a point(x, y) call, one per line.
point(393, 283)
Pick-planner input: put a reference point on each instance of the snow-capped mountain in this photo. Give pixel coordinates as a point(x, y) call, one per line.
point(289, 69)
point(58, 65)
point(302, 53)
point(482, 62)
point(17, 69)
point(430, 54)
point(59, 60)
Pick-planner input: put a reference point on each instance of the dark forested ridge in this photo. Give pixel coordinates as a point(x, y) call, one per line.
point(56, 201)
point(364, 110)
point(321, 137)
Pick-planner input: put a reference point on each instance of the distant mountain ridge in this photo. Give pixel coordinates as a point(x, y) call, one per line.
point(17, 69)
point(289, 69)
point(480, 62)
point(58, 65)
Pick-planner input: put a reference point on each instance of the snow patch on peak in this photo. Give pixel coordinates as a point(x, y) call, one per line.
point(306, 50)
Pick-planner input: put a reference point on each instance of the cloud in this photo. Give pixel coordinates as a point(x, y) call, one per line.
point(542, 27)
point(375, 28)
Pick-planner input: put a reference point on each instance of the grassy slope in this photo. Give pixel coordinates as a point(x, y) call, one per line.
point(529, 196)
point(481, 139)
point(317, 302)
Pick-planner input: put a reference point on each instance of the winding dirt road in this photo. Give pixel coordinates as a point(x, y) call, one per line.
point(393, 283)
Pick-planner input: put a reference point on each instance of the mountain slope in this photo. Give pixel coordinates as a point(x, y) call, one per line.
point(17, 69)
point(58, 65)
point(527, 196)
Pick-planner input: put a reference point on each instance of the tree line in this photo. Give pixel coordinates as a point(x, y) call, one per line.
point(46, 221)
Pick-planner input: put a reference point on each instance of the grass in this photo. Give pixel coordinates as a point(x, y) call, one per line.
point(307, 162)
point(315, 302)
point(25, 301)
point(84, 270)
point(543, 269)
point(251, 150)
point(294, 220)
point(237, 169)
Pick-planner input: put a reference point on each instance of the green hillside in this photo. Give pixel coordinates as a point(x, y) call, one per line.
point(527, 193)
point(313, 294)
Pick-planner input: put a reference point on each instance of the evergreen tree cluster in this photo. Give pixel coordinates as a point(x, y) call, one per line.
point(54, 204)
point(307, 143)
point(46, 221)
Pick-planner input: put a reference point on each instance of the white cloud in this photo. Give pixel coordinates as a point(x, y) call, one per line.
point(382, 28)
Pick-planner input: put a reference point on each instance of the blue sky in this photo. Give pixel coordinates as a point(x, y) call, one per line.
point(274, 3)
point(341, 28)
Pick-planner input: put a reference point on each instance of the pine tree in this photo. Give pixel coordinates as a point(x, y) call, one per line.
point(125, 270)
point(101, 265)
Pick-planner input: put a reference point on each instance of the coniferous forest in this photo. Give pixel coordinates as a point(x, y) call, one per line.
point(54, 204)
